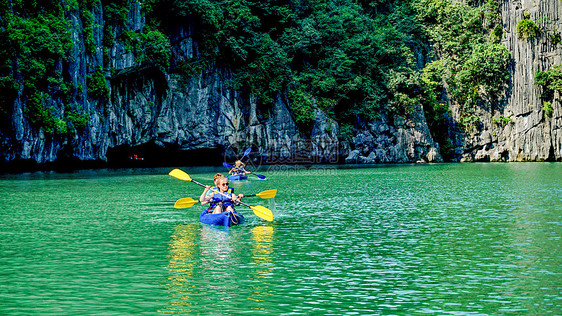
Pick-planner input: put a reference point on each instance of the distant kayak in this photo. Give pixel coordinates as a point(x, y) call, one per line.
point(227, 218)
point(238, 177)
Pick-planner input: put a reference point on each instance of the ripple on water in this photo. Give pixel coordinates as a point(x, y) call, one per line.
point(442, 239)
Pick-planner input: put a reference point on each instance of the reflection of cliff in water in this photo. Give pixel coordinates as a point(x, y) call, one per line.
point(262, 251)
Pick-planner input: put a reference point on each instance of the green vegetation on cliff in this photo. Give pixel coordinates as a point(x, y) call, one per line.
point(549, 81)
point(34, 45)
point(351, 59)
point(354, 60)
point(469, 62)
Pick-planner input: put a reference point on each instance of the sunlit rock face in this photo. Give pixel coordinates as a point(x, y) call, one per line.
point(163, 114)
point(519, 129)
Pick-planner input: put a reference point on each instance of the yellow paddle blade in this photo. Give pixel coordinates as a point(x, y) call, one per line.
point(263, 212)
point(179, 174)
point(185, 203)
point(267, 194)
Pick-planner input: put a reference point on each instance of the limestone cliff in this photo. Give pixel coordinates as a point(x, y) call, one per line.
point(159, 114)
point(519, 129)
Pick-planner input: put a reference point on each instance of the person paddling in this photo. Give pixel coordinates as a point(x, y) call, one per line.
point(221, 197)
point(238, 168)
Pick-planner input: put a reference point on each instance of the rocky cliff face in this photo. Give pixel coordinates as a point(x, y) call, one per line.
point(396, 140)
point(515, 129)
point(154, 112)
point(519, 129)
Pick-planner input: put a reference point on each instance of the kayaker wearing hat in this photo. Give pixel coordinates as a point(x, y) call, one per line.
point(219, 202)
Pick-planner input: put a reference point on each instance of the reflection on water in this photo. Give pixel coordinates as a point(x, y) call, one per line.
point(182, 266)
point(219, 267)
point(218, 261)
point(262, 250)
point(440, 239)
point(199, 254)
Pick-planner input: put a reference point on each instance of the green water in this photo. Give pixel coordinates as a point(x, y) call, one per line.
point(405, 239)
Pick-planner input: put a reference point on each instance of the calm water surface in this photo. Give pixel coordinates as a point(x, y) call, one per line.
point(409, 239)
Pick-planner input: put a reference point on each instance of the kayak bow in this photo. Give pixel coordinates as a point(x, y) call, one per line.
point(226, 218)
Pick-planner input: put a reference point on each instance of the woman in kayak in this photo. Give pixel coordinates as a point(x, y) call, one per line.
point(221, 197)
point(238, 168)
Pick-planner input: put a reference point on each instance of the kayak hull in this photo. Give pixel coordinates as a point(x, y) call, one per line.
point(222, 219)
point(238, 177)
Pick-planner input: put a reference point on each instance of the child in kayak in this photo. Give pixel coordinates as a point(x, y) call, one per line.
point(221, 197)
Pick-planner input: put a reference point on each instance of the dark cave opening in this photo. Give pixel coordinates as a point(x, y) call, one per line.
point(153, 155)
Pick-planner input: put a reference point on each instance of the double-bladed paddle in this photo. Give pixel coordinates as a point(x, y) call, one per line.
point(259, 210)
point(189, 202)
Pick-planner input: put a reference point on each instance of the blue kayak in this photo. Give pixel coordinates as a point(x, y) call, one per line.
point(238, 177)
point(225, 218)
